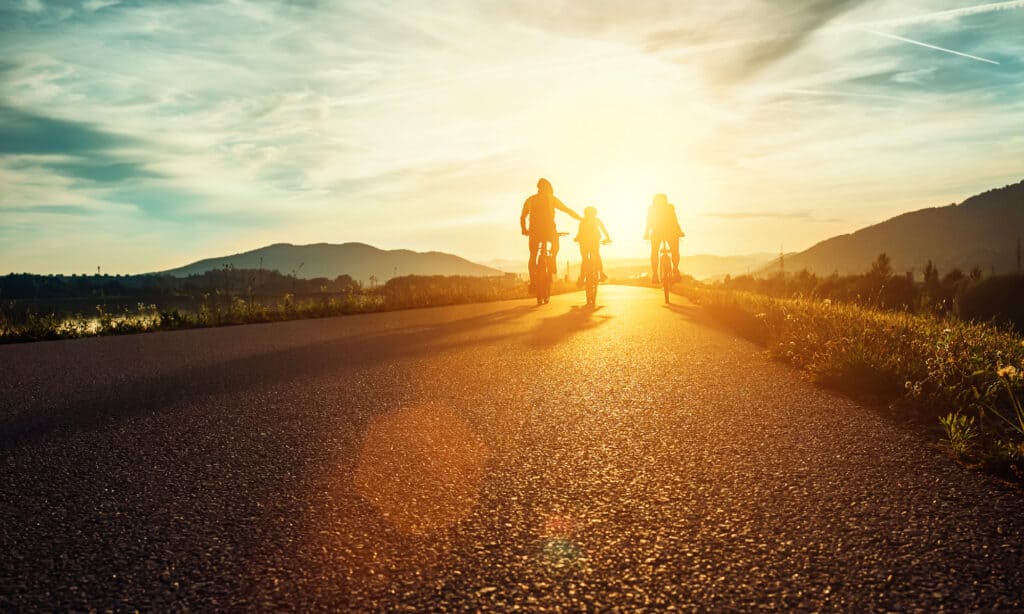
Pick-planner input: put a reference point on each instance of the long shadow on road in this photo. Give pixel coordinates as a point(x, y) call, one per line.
point(155, 392)
point(557, 328)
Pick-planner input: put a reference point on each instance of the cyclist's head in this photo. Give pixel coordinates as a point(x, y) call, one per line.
point(660, 200)
point(543, 185)
point(589, 211)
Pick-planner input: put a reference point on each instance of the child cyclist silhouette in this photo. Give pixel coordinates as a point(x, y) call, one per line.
point(589, 238)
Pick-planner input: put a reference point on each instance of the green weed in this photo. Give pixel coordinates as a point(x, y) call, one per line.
point(960, 432)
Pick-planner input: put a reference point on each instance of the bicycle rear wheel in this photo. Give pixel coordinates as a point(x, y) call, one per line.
point(591, 289)
point(666, 275)
point(543, 280)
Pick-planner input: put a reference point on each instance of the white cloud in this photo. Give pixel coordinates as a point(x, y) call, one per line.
point(426, 125)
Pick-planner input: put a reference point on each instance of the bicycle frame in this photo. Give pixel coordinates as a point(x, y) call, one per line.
point(589, 270)
point(665, 269)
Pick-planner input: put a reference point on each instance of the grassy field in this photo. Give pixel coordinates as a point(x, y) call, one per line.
point(963, 376)
point(226, 310)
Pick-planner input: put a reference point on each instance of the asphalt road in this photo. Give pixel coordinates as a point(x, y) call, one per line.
point(491, 456)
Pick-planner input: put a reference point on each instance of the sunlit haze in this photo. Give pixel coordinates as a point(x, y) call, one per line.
point(139, 136)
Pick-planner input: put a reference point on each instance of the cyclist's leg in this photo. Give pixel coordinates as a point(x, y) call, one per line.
point(598, 263)
point(534, 245)
point(583, 264)
point(655, 248)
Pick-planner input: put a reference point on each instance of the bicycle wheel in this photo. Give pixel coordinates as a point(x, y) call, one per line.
point(544, 280)
point(666, 275)
point(591, 288)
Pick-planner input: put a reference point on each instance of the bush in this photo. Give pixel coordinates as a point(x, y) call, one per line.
point(999, 299)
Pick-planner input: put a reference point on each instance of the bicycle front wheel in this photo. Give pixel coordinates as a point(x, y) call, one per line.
point(666, 275)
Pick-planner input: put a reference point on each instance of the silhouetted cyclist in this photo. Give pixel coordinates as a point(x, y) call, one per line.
point(663, 225)
point(589, 238)
point(540, 208)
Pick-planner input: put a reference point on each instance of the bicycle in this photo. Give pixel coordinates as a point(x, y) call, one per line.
point(544, 270)
point(591, 276)
point(666, 271)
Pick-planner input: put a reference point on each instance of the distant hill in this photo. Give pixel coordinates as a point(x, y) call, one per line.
point(700, 266)
point(981, 231)
point(330, 260)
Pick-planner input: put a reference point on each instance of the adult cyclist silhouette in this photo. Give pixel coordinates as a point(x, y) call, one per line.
point(663, 225)
point(540, 208)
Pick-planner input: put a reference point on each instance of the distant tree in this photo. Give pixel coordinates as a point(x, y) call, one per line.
point(976, 273)
point(881, 268)
point(931, 275)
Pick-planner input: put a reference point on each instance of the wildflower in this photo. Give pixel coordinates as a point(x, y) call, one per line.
point(828, 303)
point(761, 316)
point(1009, 372)
point(947, 331)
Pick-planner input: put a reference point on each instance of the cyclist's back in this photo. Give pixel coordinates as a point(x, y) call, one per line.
point(589, 238)
point(540, 209)
point(663, 226)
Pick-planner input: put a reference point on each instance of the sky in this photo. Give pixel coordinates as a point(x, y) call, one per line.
point(141, 135)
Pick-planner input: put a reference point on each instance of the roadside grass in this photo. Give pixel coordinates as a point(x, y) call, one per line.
point(150, 318)
point(405, 293)
point(966, 377)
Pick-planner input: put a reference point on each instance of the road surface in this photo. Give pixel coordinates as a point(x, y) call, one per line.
point(492, 456)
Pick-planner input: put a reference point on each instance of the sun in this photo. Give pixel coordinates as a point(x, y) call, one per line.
point(621, 194)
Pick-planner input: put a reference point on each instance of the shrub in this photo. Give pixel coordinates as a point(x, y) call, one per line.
point(960, 432)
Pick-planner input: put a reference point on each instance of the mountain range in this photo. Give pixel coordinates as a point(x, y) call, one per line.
point(328, 260)
point(982, 231)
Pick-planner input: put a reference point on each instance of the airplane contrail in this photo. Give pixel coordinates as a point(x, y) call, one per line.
point(927, 45)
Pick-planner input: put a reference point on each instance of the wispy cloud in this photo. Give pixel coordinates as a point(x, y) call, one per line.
point(740, 50)
point(947, 15)
point(29, 133)
point(74, 210)
point(213, 127)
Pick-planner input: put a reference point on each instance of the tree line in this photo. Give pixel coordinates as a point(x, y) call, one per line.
point(227, 280)
point(968, 295)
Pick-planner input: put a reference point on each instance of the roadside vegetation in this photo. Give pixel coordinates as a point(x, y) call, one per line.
point(928, 363)
point(973, 295)
point(222, 298)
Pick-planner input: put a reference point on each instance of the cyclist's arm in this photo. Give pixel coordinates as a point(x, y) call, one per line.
point(560, 205)
point(607, 237)
point(523, 216)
